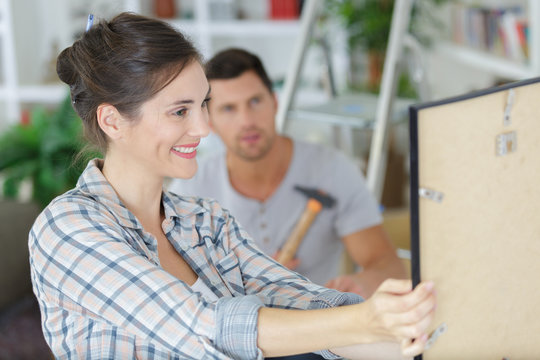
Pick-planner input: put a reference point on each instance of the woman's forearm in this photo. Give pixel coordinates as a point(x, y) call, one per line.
point(395, 313)
point(284, 332)
point(281, 329)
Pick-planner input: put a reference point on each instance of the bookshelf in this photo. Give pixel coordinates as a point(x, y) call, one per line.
point(32, 32)
point(14, 92)
point(212, 31)
point(479, 51)
point(52, 25)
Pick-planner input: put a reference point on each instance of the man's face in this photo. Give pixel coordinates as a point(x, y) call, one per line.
point(242, 113)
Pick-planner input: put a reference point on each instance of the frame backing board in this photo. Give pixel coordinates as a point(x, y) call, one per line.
point(480, 243)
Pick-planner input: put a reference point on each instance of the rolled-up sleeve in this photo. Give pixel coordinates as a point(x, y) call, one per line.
point(237, 327)
point(332, 298)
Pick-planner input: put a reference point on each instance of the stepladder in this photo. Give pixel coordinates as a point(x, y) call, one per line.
point(400, 44)
point(381, 105)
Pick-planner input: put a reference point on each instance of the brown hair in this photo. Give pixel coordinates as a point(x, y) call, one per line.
point(233, 62)
point(123, 62)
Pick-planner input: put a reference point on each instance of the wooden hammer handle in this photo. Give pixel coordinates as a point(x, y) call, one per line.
point(288, 249)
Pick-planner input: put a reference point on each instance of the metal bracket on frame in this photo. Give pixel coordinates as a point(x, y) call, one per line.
point(430, 194)
point(508, 108)
point(505, 143)
point(435, 335)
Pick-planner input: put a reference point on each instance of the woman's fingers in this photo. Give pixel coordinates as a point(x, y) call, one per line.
point(408, 300)
point(411, 324)
point(416, 329)
point(417, 321)
point(418, 295)
point(404, 313)
point(414, 347)
point(418, 312)
point(395, 286)
point(408, 315)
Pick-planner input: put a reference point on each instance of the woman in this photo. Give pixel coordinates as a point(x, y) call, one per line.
point(123, 269)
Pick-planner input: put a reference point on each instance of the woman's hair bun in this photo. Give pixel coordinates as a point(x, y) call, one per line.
point(65, 69)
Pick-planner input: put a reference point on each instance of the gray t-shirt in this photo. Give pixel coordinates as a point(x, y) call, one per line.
point(270, 222)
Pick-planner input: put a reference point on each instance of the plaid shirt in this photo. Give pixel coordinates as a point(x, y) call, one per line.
point(104, 295)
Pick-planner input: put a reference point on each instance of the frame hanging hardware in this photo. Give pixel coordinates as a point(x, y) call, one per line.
point(508, 108)
point(435, 335)
point(436, 196)
point(505, 143)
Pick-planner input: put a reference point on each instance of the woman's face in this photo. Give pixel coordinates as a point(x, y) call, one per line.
point(164, 141)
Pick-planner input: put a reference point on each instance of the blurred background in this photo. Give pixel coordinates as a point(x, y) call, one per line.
point(458, 47)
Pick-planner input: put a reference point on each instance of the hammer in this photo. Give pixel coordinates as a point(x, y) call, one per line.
point(316, 201)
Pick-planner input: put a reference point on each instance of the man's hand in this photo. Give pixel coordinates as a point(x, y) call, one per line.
point(374, 253)
point(291, 264)
point(346, 283)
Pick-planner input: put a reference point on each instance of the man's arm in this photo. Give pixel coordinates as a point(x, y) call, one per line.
point(372, 250)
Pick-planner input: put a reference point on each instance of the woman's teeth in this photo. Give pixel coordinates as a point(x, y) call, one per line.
point(184, 150)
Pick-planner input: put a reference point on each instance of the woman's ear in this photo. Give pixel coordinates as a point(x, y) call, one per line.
point(109, 120)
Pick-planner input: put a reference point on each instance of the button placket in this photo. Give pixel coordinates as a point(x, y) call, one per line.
point(263, 225)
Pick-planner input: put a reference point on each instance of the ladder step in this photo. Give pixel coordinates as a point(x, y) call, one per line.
point(352, 110)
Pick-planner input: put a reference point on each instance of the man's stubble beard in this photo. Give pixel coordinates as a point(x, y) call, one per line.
point(267, 143)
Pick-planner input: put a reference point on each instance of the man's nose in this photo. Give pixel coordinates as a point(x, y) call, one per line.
point(246, 117)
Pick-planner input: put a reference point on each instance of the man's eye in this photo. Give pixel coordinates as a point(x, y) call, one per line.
point(255, 101)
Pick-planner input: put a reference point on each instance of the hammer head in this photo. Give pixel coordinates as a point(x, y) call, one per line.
point(326, 200)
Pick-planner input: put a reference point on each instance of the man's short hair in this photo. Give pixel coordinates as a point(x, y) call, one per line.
point(231, 63)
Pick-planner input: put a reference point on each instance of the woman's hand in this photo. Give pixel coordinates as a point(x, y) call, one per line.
point(398, 313)
point(395, 314)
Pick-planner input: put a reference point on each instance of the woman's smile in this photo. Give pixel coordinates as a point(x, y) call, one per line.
point(187, 151)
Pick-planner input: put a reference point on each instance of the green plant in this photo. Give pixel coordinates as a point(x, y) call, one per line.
point(368, 25)
point(43, 151)
point(367, 21)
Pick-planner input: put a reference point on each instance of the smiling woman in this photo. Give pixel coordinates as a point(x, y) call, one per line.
point(123, 269)
point(164, 138)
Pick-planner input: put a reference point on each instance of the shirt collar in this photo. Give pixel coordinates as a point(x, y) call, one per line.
point(176, 206)
point(93, 184)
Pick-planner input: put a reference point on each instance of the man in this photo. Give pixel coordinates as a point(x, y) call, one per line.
point(256, 177)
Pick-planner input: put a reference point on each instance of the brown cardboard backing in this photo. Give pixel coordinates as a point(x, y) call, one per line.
point(481, 244)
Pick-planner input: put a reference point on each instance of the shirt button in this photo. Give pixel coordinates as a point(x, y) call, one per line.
point(266, 240)
point(262, 209)
point(263, 226)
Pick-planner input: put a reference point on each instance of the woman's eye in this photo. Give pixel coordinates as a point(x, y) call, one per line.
point(255, 101)
point(181, 112)
point(205, 103)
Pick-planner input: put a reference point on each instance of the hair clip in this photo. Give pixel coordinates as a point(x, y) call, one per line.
point(90, 22)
